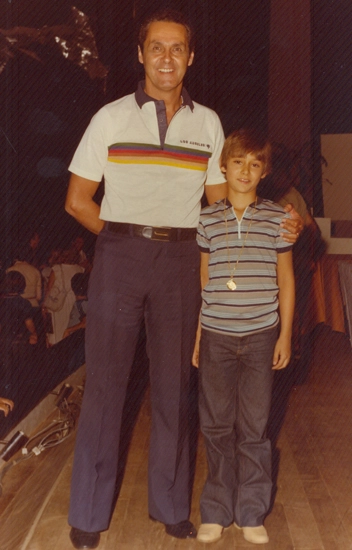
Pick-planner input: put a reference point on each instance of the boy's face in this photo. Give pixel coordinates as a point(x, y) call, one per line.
point(243, 173)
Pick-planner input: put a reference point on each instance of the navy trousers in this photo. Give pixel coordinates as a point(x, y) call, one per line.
point(135, 278)
point(235, 376)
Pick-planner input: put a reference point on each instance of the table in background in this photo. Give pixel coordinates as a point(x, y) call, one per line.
point(345, 274)
point(327, 304)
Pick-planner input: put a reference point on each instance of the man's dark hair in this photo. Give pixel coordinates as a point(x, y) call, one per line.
point(14, 283)
point(21, 253)
point(169, 16)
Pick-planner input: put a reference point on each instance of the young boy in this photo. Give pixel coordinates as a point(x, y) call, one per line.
point(247, 280)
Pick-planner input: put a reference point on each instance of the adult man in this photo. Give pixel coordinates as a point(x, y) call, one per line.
point(156, 149)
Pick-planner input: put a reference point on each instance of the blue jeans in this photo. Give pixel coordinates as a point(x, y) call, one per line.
point(235, 392)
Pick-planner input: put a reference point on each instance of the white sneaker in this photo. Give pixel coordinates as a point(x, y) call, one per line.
point(257, 535)
point(209, 532)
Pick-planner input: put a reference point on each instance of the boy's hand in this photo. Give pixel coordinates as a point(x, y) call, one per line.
point(195, 356)
point(282, 353)
point(294, 225)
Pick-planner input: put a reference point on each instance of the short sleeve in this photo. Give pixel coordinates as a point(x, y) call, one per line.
point(214, 174)
point(281, 245)
point(202, 239)
point(91, 154)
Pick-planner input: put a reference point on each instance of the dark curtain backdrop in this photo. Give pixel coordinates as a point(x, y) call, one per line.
point(331, 78)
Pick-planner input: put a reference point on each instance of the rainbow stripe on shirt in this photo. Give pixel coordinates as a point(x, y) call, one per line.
point(170, 155)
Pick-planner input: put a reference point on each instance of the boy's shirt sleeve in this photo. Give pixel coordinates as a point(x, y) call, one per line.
point(202, 239)
point(281, 245)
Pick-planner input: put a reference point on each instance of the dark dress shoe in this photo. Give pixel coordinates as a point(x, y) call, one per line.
point(183, 530)
point(82, 539)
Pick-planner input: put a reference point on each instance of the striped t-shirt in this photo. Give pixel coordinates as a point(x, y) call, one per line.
point(253, 306)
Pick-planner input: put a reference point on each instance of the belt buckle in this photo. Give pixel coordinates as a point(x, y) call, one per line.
point(161, 233)
point(147, 232)
point(156, 233)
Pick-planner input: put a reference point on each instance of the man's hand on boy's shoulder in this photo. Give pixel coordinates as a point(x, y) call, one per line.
point(294, 225)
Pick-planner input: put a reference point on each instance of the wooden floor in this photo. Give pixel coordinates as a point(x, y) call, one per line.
point(313, 504)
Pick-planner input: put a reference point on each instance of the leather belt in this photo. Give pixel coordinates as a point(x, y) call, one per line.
point(167, 234)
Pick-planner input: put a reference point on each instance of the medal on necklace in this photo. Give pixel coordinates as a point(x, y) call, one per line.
point(231, 285)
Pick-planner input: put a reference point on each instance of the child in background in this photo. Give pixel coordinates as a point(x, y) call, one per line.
point(244, 334)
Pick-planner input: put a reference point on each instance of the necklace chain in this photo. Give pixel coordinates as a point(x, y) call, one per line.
point(231, 285)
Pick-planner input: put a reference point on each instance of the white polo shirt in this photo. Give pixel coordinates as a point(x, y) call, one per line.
point(154, 174)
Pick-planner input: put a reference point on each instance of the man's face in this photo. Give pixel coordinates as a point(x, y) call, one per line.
point(165, 57)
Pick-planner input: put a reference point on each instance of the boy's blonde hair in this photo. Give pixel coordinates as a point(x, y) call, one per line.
point(244, 141)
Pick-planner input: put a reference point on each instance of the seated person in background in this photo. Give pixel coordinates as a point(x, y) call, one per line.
point(48, 265)
point(79, 284)
point(77, 247)
point(6, 405)
point(16, 313)
point(60, 280)
point(18, 335)
point(279, 187)
point(33, 281)
point(70, 350)
point(32, 249)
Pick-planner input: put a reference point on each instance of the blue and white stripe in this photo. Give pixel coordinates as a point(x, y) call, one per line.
point(253, 306)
